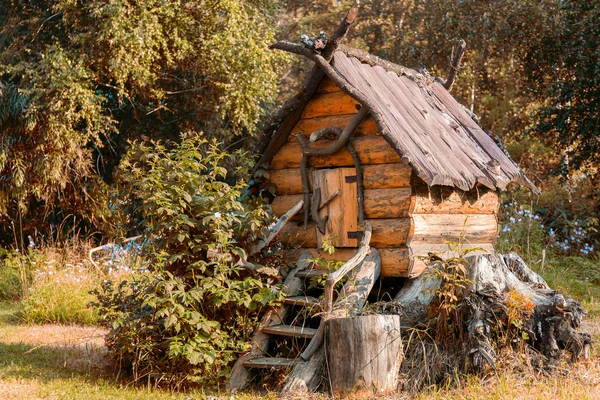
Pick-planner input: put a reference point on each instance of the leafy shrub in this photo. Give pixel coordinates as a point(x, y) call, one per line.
point(187, 320)
point(11, 286)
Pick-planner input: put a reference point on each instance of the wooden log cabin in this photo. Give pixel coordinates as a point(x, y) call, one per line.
point(417, 165)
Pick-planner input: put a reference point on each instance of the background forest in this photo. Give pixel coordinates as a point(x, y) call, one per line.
point(120, 118)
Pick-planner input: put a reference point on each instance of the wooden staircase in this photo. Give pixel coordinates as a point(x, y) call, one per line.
point(308, 360)
point(274, 326)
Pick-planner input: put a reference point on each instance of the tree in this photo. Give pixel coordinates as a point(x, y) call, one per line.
point(79, 79)
point(570, 56)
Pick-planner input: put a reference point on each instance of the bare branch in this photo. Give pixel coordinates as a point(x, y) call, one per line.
point(276, 228)
point(455, 66)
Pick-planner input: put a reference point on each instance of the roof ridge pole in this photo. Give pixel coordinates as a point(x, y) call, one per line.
point(457, 54)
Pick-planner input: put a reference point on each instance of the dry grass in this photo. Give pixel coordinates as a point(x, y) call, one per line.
point(65, 362)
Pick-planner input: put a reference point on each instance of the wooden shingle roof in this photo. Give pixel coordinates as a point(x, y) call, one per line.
point(423, 122)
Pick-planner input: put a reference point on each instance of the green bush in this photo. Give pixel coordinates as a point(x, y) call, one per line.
point(189, 318)
point(10, 275)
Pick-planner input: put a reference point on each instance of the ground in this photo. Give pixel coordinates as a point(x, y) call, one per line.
point(65, 362)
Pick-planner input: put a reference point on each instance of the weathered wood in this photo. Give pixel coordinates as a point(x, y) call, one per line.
point(370, 149)
point(387, 203)
point(337, 144)
point(420, 252)
point(355, 292)
point(342, 211)
point(339, 34)
point(382, 176)
point(307, 126)
point(270, 362)
point(302, 301)
point(387, 233)
point(352, 297)
point(290, 330)
point(379, 203)
point(455, 68)
point(372, 365)
point(261, 341)
point(312, 273)
point(334, 278)
point(394, 262)
point(328, 104)
point(440, 228)
point(305, 377)
point(277, 227)
point(447, 200)
point(552, 326)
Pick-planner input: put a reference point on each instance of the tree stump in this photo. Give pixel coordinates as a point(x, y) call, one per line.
point(364, 354)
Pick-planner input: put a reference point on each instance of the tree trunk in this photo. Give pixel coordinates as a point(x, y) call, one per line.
point(551, 327)
point(364, 354)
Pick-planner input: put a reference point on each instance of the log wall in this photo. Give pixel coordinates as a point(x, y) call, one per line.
point(409, 218)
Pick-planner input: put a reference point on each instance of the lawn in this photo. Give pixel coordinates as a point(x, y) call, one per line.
point(65, 362)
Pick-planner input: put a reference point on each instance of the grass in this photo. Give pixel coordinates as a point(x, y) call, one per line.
point(64, 362)
point(54, 361)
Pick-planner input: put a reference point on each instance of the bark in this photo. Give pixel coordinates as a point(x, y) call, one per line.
point(455, 65)
point(553, 326)
point(373, 365)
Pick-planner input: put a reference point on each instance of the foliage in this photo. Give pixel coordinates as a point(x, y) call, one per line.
point(570, 118)
point(80, 79)
point(190, 317)
point(11, 287)
point(327, 265)
point(519, 309)
point(524, 59)
point(553, 222)
point(452, 274)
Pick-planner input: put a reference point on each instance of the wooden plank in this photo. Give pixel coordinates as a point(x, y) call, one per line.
point(379, 203)
point(370, 149)
point(342, 211)
point(381, 176)
point(270, 362)
point(260, 341)
point(326, 104)
point(447, 200)
point(387, 233)
point(328, 86)
point(307, 126)
point(290, 330)
point(394, 262)
point(422, 250)
point(302, 301)
point(312, 273)
point(441, 228)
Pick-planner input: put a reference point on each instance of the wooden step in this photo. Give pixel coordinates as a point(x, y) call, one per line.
point(290, 330)
point(270, 362)
point(302, 301)
point(312, 273)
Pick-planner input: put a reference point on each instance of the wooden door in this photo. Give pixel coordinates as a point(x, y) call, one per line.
point(342, 211)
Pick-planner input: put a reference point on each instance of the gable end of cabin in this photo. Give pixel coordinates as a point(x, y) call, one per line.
point(409, 218)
